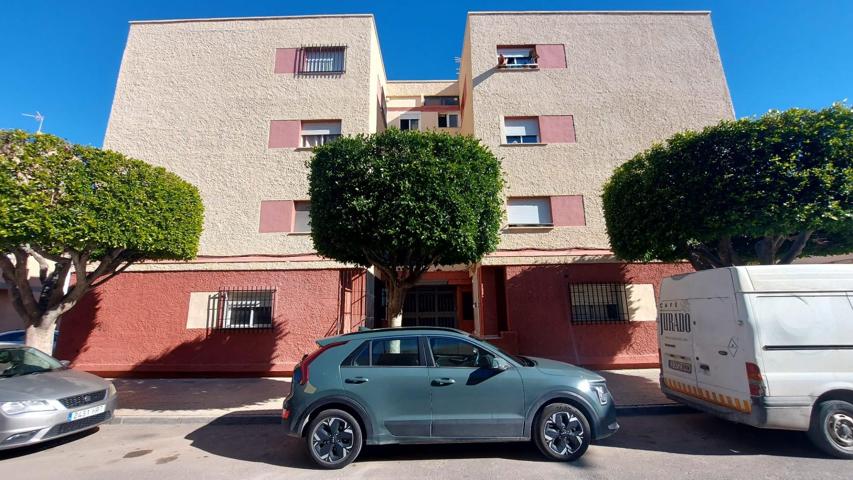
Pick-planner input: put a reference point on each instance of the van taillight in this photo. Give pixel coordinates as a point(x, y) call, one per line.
point(756, 380)
point(660, 359)
point(303, 365)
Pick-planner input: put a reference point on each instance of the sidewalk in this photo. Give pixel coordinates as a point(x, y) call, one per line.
point(258, 400)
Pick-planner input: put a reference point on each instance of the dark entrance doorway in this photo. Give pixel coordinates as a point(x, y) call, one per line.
point(430, 305)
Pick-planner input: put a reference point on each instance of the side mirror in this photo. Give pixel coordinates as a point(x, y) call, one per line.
point(499, 364)
point(65, 363)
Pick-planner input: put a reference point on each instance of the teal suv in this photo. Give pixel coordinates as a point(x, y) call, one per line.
point(438, 385)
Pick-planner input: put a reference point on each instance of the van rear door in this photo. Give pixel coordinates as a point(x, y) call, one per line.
point(723, 345)
point(675, 338)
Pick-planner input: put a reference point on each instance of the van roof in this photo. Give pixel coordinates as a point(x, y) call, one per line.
point(793, 278)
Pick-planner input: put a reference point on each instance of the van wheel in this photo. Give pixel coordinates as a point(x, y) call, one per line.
point(831, 429)
point(333, 439)
point(562, 432)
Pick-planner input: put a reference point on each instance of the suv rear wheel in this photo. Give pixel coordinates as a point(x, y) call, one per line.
point(562, 432)
point(334, 439)
point(832, 428)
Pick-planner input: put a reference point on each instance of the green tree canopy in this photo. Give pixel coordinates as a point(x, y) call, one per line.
point(87, 214)
point(403, 202)
point(757, 190)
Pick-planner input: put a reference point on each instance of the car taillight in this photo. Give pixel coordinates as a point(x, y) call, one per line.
point(756, 380)
point(306, 362)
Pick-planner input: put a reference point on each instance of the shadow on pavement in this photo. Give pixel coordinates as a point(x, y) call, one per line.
point(40, 447)
point(702, 434)
point(685, 434)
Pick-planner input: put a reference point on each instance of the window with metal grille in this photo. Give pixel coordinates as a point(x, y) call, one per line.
point(322, 59)
point(594, 303)
point(315, 133)
point(517, 57)
point(247, 308)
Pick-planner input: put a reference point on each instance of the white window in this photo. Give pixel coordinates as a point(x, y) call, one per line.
point(301, 217)
point(410, 122)
point(323, 60)
point(529, 212)
point(319, 133)
point(517, 57)
point(598, 303)
point(246, 308)
point(521, 130)
point(448, 120)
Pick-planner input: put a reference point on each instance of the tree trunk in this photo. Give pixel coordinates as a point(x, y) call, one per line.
point(41, 337)
point(396, 298)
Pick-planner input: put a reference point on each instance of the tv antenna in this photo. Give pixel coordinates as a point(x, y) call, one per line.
point(38, 117)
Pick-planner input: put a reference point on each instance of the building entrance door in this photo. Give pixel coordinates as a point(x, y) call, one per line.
point(430, 306)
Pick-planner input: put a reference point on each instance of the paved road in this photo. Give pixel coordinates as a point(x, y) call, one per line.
point(653, 447)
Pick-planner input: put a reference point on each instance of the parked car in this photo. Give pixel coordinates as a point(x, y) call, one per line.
point(42, 399)
point(18, 336)
point(437, 385)
point(768, 346)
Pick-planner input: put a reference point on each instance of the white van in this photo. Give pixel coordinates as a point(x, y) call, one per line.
point(768, 346)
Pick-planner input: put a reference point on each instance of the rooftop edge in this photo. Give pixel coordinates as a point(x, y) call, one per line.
point(231, 19)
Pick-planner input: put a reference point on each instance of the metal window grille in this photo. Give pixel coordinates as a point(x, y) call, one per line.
point(317, 140)
point(322, 59)
point(596, 303)
point(241, 309)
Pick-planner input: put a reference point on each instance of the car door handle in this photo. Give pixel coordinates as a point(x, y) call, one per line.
point(704, 367)
point(356, 380)
point(438, 382)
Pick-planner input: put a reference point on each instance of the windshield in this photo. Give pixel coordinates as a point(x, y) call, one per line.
point(522, 360)
point(15, 361)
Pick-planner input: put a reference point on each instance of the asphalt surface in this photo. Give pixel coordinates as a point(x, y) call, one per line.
point(656, 447)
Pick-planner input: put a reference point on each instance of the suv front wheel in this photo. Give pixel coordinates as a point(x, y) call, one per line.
point(334, 439)
point(562, 432)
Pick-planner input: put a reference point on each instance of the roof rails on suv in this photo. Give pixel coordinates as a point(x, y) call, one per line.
point(397, 329)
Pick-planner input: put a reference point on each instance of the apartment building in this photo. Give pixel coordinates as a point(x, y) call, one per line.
point(235, 106)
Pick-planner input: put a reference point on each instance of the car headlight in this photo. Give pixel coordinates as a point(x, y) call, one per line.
point(113, 390)
point(26, 406)
point(601, 392)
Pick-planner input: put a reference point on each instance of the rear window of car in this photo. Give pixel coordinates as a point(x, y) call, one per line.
point(395, 352)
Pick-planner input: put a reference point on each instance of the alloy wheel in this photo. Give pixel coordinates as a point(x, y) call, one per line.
point(563, 433)
point(332, 439)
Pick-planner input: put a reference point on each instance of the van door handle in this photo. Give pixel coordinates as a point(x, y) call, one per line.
point(704, 367)
point(356, 380)
point(439, 382)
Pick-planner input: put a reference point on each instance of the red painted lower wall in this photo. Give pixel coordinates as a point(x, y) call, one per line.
point(538, 312)
point(136, 323)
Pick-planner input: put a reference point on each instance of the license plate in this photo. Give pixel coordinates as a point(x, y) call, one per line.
point(680, 366)
point(86, 412)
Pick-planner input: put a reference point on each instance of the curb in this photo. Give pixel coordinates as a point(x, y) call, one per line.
point(274, 418)
point(260, 419)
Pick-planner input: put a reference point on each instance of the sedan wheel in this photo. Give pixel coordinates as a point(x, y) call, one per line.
point(562, 432)
point(334, 439)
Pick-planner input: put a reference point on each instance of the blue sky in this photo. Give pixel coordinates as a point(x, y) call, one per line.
point(61, 57)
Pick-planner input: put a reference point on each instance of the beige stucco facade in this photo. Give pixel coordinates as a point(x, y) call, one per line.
point(405, 99)
point(197, 97)
point(631, 79)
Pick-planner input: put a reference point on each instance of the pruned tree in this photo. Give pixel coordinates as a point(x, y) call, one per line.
point(404, 202)
point(82, 215)
point(758, 190)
